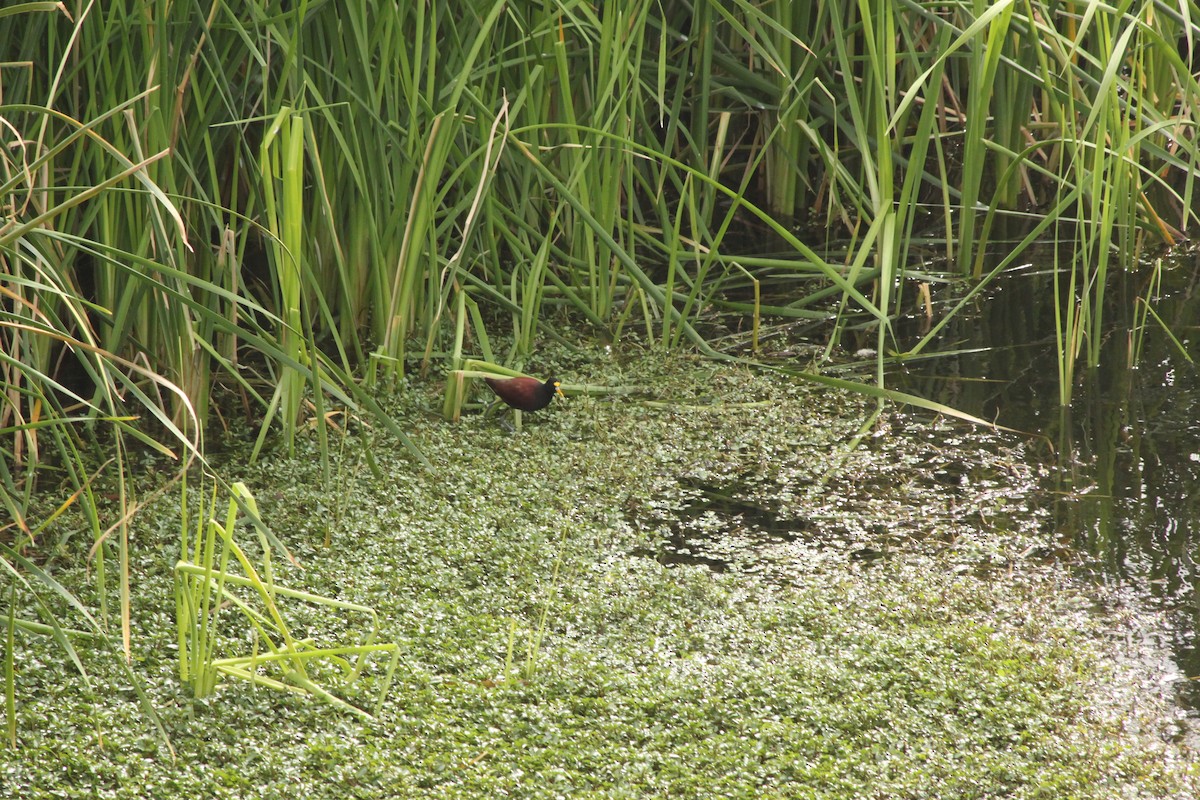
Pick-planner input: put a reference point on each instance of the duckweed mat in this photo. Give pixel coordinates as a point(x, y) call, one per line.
point(704, 586)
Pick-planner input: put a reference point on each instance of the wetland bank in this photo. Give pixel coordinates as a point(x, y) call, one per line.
point(911, 636)
point(251, 219)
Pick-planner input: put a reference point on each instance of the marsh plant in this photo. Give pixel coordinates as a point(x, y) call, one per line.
point(237, 209)
point(206, 582)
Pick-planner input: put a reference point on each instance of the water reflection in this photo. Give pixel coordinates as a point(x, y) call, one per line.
point(1128, 446)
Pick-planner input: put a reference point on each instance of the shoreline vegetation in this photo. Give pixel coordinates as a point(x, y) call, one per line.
point(258, 220)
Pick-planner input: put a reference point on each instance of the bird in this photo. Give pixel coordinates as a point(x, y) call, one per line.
point(525, 394)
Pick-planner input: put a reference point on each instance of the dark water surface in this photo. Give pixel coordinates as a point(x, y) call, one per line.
point(1126, 449)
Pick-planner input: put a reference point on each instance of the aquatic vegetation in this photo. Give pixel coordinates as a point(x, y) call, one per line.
point(959, 663)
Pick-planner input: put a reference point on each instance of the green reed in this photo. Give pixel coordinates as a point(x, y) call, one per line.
point(238, 208)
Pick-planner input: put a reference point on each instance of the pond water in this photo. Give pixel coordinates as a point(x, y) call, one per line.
point(1123, 457)
point(1126, 493)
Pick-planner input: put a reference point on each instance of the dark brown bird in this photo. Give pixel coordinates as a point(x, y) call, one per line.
point(525, 394)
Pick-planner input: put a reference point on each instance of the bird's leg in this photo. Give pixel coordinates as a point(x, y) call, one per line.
point(487, 409)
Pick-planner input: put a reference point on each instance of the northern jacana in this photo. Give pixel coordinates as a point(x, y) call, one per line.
point(525, 394)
